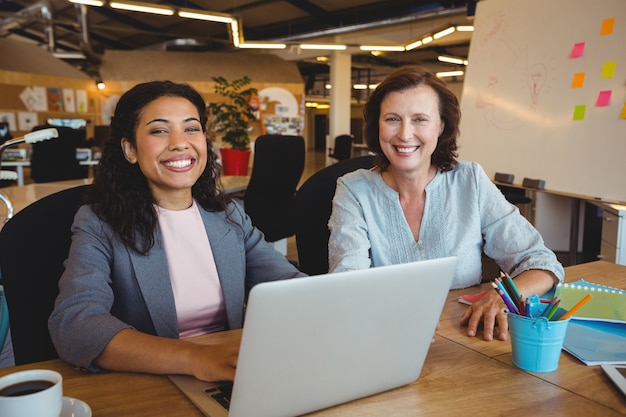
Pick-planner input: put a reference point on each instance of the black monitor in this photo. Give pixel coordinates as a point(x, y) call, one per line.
point(101, 133)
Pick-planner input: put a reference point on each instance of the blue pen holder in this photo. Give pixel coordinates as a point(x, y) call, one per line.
point(536, 342)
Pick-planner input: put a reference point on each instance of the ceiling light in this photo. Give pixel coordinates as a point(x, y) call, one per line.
point(360, 86)
point(444, 32)
point(321, 59)
point(334, 47)
point(69, 55)
point(391, 48)
point(100, 84)
point(96, 3)
point(449, 74)
point(235, 33)
point(452, 60)
point(212, 17)
point(413, 45)
point(427, 39)
point(262, 45)
point(465, 28)
point(142, 7)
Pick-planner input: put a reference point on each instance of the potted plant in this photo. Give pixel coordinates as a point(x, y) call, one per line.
point(232, 117)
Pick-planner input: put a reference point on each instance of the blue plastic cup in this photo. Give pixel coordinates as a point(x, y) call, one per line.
point(536, 342)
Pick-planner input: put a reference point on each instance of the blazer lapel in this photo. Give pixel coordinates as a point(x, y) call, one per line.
point(230, 263)
point(154, 281)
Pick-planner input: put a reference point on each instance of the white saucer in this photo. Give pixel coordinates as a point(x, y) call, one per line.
point(75, 408)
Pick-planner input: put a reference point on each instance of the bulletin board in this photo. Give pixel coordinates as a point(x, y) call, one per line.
point(544, 95)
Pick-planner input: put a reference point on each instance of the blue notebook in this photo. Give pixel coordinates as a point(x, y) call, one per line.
point(596, 342)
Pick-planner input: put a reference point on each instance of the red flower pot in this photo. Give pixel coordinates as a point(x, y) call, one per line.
point(234, 161)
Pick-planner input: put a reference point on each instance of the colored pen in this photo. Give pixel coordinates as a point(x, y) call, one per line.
point(545, 312)
point(511, 284)
point(553, 310)
point(505, 298)
point(527, 308)
point(576, 307)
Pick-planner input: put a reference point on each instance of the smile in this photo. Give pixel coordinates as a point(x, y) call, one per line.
point(181, 163)
point(406, 149)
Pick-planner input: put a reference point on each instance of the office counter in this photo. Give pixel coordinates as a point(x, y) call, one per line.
point(461, 376)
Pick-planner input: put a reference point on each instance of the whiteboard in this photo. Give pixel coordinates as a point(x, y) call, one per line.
point(523, 96)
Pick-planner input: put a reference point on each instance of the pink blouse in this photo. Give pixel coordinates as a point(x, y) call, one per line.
point(196, 285)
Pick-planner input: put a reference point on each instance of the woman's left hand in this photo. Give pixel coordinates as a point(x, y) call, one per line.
point(489, 310)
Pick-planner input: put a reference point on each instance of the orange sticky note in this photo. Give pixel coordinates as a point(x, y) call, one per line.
point(604, 98)
point(579, 80)
point(607, 26)
point(577, 50)
point(623, 114)
point(579, 112)
point(608, 69)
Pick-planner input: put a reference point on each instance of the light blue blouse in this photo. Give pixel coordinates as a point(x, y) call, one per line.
point(464, 215)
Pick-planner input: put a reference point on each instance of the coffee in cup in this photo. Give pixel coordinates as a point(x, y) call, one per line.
point(33, 393)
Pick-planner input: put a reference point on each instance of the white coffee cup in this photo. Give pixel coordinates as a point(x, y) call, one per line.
point(34, 393)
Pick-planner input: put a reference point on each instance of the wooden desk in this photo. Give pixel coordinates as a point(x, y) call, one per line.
point(461, 376)
point(22, 196)
point(19, 167)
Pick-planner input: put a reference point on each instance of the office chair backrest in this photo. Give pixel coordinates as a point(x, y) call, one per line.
point(313, 207)
point(33, 246)
point(343, 147)
point(55, 159)
point(5, 132)
point(276, 171)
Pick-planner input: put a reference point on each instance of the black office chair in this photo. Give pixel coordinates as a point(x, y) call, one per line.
point(5, 132)
point(276, 171)
point(6, 177)
point(55, 160)
point(313, 207)
point(343, 148)
point(33, 246)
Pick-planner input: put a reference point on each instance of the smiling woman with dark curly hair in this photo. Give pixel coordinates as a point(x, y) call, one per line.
point(158, 252)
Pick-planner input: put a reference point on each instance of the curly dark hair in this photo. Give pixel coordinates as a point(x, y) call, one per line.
point(120, 195)
point(403, 78)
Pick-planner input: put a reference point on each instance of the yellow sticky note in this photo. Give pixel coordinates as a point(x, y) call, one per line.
point(607, 26)
point(623, 114)
point(579, 112)
point(608, 69)
point(579, 80)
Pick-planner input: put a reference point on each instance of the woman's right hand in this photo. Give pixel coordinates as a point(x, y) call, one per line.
point(215, 362)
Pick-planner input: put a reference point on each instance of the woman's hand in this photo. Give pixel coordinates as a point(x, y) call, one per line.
point(215, 362)
point(132, 351)
point(489, 310)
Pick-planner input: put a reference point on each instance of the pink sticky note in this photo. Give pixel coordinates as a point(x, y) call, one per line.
point(604, 98)
point(577, 50)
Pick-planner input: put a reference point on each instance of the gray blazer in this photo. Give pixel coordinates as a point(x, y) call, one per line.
point(106, 287)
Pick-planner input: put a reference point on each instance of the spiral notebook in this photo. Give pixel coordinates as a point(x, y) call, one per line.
point(596, 333)
point(606, 303)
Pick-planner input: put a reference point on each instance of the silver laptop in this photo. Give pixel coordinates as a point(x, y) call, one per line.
point(314, 342)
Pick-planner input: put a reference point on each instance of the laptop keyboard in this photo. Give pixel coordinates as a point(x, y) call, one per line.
point(221, 394)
